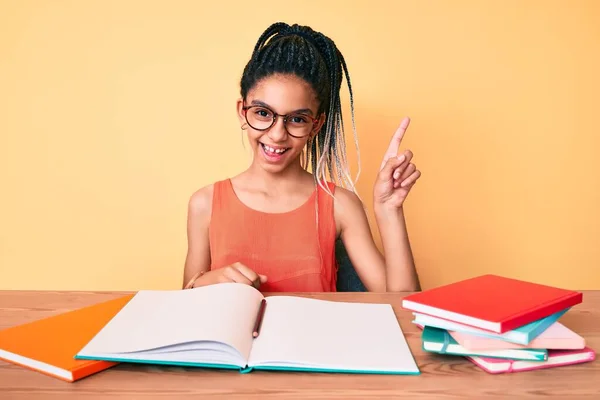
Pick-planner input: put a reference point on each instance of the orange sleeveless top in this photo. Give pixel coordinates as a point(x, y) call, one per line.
point(296, 253)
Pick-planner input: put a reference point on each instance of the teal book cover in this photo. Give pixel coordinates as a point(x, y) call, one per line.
point(246, 369)
point(440, 341)
point(521, 335)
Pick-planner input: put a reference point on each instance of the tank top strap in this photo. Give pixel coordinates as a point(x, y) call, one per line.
point(327, 234)
point(325, 203)
point(220, 219)
point(222, 197)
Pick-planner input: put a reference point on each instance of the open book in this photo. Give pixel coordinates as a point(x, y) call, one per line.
point(212, 326)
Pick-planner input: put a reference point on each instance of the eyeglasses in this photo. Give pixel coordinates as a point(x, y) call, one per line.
point(262, 118)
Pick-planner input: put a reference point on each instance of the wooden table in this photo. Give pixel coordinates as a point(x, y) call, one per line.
point(441, 376)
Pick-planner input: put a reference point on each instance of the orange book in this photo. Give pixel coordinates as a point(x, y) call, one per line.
point(49, 345)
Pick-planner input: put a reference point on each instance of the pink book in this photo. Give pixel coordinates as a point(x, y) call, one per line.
point(556, 337)
point(556, 358)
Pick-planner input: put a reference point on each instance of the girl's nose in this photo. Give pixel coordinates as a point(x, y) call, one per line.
point(278, 132)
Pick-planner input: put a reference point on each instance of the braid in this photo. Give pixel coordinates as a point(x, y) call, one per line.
point(314, 57)
point(265, 36)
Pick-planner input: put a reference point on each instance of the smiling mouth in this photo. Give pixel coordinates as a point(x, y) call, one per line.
point(272, 151)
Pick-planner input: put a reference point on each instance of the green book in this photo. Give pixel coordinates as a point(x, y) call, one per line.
point(438, 340)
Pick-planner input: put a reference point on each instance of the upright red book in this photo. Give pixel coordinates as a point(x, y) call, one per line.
point(494, 303)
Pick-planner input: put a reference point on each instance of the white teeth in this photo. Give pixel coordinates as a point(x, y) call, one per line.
point(272, 150)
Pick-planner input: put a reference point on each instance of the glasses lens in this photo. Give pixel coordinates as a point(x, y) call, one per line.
point(259, 117)
point(299, 125)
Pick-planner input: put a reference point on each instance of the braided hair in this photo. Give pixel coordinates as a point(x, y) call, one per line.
point(313, 57)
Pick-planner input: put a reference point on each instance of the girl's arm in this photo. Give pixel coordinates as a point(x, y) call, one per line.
point(395, 272)
point(198, 219)
point(400, 265)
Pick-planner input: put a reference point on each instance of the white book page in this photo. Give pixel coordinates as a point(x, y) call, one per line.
point(513, 336)
point(313, 333)
point(223, 313)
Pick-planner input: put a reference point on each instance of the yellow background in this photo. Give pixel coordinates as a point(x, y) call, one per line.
point(113, 112)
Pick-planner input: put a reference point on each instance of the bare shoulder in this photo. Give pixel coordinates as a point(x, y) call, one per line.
point(346, 198)
point(347, 208)
point(200, 203)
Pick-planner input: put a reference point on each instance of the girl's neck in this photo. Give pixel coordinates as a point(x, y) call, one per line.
point(289, 178)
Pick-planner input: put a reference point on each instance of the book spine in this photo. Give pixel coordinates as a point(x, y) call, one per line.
point(92, 368)
point(544, 355)
point(444, 349)
point(530, 316)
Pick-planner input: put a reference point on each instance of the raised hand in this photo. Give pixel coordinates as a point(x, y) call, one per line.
point(397, 174)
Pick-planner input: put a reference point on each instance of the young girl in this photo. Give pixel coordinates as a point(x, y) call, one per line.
point(274, 226)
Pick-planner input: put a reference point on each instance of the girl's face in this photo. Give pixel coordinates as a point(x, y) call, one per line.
point(276, 143)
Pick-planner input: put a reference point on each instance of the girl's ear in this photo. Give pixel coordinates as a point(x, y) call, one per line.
point(241, 112)
point(318, 126)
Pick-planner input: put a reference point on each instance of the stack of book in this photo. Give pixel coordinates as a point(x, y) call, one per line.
point(500, 324)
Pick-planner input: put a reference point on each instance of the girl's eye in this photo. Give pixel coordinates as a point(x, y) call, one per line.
point(263, 113)
point(299, 119)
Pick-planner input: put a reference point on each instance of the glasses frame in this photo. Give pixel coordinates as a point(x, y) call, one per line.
point(275, 116)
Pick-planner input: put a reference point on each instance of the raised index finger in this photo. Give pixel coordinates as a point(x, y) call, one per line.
point(392, 150)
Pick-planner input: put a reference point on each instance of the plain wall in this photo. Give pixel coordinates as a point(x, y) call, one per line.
point(114, 112)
